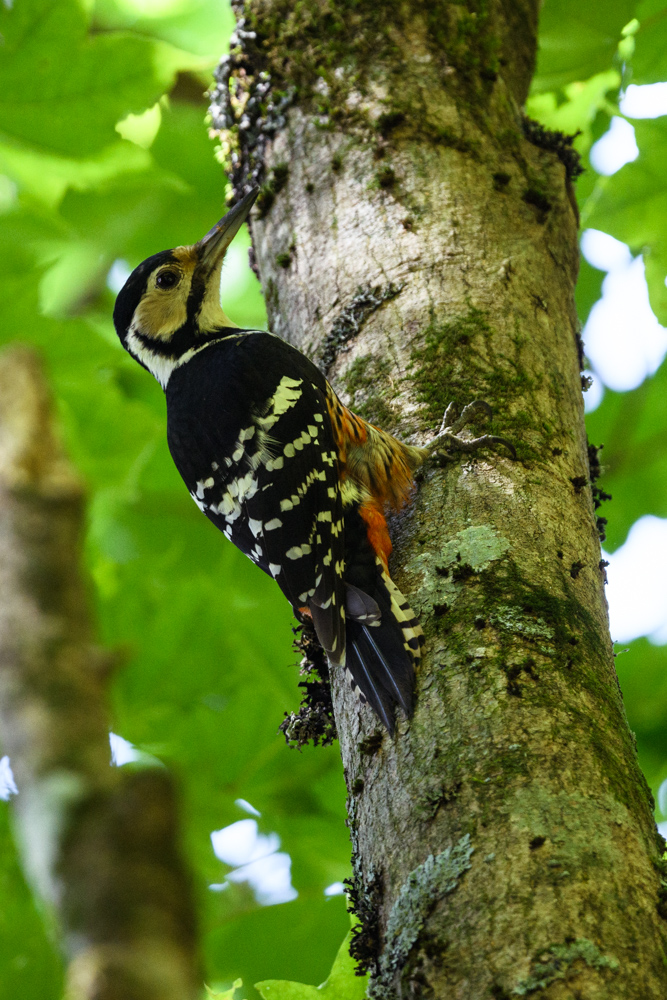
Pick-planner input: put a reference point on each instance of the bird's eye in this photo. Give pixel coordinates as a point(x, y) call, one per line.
point(167, 279)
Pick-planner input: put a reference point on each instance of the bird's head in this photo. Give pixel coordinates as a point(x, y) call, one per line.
point(170, 304)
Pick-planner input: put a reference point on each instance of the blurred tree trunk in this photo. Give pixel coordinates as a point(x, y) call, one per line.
point(418, 238)
point(99, 844)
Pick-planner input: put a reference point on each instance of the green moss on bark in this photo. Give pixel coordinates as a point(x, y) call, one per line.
point(563, 962)
point(531, 632)
point(309, 39)
point(555, 626)
point(459, 361)
point(368, 384)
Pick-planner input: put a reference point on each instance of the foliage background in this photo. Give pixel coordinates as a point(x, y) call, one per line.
point(205, 635)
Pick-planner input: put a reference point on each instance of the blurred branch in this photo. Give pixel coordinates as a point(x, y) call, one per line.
point(99, 843)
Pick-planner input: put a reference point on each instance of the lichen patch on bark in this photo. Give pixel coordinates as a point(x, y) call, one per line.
point(557, 963)
point(429, 882)
point(471, 550)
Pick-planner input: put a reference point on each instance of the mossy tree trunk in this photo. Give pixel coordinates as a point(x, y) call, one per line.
point(419, 239)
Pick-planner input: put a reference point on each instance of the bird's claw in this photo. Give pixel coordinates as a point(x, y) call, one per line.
point(452, 423)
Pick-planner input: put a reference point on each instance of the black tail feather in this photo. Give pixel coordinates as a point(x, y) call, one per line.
point(365, 676)
point(403, 698)
point(380, 667)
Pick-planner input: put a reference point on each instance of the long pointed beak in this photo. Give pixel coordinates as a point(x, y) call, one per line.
point(212, 246)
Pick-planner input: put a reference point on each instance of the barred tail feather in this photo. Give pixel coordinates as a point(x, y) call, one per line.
point(413, 637)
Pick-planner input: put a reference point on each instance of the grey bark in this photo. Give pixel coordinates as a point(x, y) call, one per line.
point(99, 844)
point(503, 842)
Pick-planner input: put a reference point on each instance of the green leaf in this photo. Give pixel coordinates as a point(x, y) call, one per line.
point(199, 26)
point(226, 994)
point(583, 101)
point(46, 177)
point(649, 60)
point(342, 983)
point(62, 90)
point(282, 989)
point(150, 202)
point(632, 206)
point(578, 40)
point(31, 967)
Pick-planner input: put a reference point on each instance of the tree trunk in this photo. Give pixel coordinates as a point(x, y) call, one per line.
point(418, 238)
point(99, 843)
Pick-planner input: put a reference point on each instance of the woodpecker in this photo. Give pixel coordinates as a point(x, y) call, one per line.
point(273, 458)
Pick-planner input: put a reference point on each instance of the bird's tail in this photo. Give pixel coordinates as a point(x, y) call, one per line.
point(383, 648)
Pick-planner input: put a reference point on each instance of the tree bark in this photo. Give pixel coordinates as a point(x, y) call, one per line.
point(418, 238)
point(99, 843)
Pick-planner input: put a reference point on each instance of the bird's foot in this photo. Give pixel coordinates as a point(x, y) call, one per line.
point(447, 438)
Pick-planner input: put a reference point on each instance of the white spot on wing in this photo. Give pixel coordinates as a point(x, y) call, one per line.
point(200, 503)
point(245, 486)
point(204, 484)
point(228, 507)
point(297, 551)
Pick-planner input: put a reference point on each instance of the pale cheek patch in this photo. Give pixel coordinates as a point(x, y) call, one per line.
point(160, 314)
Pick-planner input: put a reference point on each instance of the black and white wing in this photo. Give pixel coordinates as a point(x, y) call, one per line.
point(262, 465)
